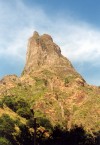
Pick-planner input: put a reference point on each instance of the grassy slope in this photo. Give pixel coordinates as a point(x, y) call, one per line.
point(63, 101)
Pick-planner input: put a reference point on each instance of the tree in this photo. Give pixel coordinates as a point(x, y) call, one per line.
point(10, 102)
point(7, 127)
point(24, 112)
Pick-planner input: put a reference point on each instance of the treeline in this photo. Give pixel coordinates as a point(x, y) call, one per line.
point(13, 132)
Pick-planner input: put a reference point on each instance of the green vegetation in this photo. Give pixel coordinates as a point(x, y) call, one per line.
point(58, 103)
point(18, 105)
point(7, 129)
point(1, 104)
point(41, 82)
point(4, 141)
point(58, 95)
point(24, 112)
point(6, 125)
point(69, 79)
point(45, 136)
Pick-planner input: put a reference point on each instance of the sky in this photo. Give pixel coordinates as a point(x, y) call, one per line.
point(73, 24)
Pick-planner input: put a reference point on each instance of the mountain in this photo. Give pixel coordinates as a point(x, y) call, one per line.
point(52, 88)
point(43, 53)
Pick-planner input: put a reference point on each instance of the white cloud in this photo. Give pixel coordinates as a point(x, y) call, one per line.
point(17, 24)
point(82, 44)
point(77, 39)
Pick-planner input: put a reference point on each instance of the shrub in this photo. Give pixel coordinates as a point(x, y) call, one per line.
point(24, 112)
point(4, 141)
point(19, 84)
point(21, 103)
point(1, 104)
point(66, 81)
point(18, 105)
point(44, 122)
point(10, 102)
point(40, 121)
point(7, 125)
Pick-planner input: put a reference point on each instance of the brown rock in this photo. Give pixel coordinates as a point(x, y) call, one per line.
point(43, 53)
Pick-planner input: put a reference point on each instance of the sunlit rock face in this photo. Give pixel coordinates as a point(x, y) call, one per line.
point(43, 53)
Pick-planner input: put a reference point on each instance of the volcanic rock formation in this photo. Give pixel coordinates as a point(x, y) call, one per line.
point(44, 53)
point(53, 88)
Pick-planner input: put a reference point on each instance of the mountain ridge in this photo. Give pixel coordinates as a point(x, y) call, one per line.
point(53, 88)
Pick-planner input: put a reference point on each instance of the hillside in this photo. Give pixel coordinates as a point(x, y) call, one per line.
point(52, 88)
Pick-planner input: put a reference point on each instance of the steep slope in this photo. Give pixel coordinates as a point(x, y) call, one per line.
point(43, 53)
point(53, 88)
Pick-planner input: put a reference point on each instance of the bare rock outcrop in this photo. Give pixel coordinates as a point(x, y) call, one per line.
point(43, 53)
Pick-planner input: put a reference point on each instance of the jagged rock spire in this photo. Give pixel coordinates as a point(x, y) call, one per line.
point(44, 53)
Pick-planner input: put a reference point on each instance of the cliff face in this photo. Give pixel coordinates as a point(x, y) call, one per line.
point(53, 88)
point(43, 53)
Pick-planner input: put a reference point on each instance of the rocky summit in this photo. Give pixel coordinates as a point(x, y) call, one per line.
point(43, 53)
point(52, 88)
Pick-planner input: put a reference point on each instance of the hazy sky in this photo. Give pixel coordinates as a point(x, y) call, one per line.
point(73, 24)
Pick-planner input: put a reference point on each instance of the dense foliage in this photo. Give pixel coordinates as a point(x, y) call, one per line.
point(18, 105)
point(57, 136)
point(4, 141)
point(14, 132)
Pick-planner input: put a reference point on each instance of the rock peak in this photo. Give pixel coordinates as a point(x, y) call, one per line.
point(35, 34)
point(46, 37)
point(42, 52)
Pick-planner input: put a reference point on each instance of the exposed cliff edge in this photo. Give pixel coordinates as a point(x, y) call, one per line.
point(43, 53)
